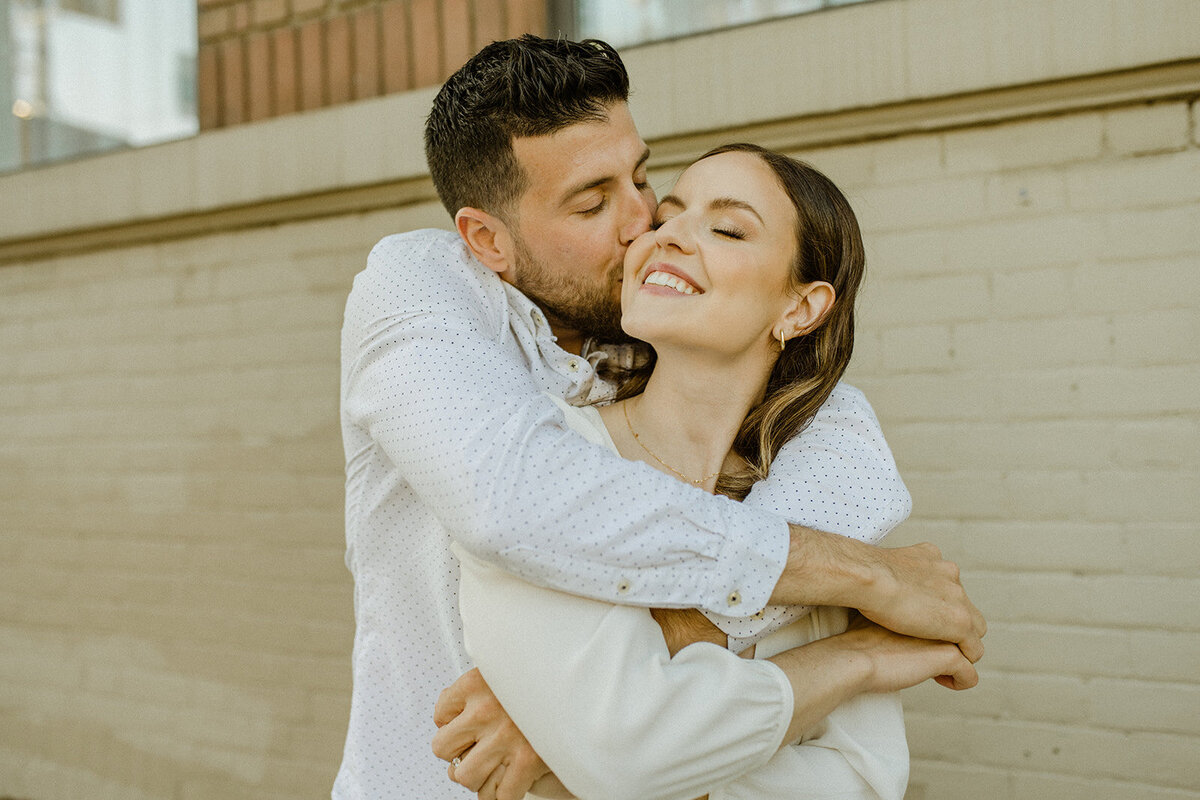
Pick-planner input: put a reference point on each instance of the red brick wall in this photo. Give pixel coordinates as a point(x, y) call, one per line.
point(264, 58)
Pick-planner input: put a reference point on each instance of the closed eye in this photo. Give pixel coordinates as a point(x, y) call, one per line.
point(596, 209)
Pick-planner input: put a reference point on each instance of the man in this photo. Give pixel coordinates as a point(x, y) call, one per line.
point(449, 346)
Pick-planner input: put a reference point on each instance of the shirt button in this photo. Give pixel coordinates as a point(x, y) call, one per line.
point(623, 586)
point(573, 364)
point(759, 615)
point(735, 598)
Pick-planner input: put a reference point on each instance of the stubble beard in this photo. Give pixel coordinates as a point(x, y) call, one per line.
point(591, 309)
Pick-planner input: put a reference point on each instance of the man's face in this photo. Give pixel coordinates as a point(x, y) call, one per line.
point(587, 200)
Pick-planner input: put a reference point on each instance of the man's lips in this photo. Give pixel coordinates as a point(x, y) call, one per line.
point(670, 278)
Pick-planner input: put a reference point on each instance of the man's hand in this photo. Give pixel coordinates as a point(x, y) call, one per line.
point(910, 590)
point(918, 593)
point(495, 759)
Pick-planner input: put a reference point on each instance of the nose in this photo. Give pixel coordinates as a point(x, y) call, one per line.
point(673, 233)
point(639, 215)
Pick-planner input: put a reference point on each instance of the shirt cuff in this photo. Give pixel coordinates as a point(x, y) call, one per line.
point(752, 560)
point(746, 631)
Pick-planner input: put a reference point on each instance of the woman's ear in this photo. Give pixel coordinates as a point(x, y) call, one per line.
point(808, 309)
point(487, 237)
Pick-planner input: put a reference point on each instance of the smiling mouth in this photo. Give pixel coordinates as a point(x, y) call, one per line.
point(669, 281)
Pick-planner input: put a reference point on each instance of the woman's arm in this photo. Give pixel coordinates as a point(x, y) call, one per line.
point(858, 751)
point(598, 696)
point(588, 682)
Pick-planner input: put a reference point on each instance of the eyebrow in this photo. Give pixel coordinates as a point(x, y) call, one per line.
point(717, 204)
point(592, 184)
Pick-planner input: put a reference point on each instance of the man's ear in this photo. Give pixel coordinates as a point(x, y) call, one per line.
point(808, 309)
point(487, 237)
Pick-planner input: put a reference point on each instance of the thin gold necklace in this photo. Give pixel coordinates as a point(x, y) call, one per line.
point(638, 439)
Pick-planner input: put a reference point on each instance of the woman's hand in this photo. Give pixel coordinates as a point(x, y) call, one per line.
point(898, 661)
point(494, 757)
point(867, 658)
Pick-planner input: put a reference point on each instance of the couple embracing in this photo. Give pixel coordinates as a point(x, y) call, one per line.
point(610, 512)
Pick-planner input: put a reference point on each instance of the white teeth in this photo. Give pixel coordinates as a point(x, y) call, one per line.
point(670, 281)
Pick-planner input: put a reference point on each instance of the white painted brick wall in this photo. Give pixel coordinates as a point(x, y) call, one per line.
point(1038, 374)
point(175, 618)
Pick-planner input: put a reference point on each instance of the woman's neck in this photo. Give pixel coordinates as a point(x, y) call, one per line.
point(685, 422)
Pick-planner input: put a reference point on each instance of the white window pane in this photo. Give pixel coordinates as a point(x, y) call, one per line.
point(84, 76)
point(628, 22)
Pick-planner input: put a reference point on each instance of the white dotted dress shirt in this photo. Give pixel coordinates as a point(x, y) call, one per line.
point(450, 437)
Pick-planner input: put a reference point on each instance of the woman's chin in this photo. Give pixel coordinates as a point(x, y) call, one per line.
point(637, 326)
point(662, 340)
point(666, 326)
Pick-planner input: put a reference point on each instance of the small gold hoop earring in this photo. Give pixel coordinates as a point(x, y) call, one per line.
point(782, 341)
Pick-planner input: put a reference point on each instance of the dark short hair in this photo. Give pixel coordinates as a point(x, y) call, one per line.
point(518, 87)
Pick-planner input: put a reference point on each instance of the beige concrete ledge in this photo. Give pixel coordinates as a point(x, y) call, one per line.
point(367, 144)
point(877, 69)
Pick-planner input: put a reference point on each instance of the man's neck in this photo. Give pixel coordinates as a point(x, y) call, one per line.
point(567, 338)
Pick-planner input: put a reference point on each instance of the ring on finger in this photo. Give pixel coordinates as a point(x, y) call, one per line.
point(454, 762)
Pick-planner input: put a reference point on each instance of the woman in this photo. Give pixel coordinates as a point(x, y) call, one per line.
point(745, 290)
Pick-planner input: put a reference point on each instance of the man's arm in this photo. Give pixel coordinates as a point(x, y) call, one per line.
point(432, 377)
point(910, 590)
point(838, 477)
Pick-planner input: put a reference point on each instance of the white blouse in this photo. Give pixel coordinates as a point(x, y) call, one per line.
point(594, 689)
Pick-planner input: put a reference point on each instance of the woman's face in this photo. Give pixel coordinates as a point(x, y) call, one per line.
point(714, 275)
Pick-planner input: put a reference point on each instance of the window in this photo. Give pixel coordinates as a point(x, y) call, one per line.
point(85, 76)
point(628, 22)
